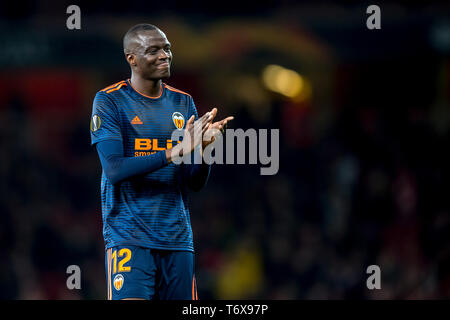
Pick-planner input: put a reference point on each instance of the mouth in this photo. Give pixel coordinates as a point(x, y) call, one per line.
point(164, 65)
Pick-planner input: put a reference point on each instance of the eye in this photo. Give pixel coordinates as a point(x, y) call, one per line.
point(152, 51)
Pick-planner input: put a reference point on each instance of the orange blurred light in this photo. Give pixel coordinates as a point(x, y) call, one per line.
point(284, 81)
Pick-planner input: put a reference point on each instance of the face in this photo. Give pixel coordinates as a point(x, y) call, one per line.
point(150, 56)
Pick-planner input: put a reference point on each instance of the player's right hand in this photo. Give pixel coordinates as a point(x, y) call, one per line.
point(195, 129)
point(193, 136)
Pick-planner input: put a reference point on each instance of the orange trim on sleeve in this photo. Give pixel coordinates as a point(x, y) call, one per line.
point(117, 88)
point(112, 86)
point(176, 90)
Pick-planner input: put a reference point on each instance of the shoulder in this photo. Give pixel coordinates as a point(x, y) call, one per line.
point(114, 87)
point(108, 96)
point(176, 91)
point(112, 91)
point(179, 97)
point(107, 99)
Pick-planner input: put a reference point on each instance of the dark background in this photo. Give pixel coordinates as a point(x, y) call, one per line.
point(364, 161)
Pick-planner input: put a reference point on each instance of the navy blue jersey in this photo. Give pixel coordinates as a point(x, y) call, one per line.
point(148, 210)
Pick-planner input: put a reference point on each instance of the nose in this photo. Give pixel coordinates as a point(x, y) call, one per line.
point(164, 55)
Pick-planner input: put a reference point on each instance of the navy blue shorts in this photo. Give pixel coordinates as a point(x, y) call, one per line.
point(152, 274)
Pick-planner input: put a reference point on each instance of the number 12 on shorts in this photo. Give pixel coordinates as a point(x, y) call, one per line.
point(123, 255)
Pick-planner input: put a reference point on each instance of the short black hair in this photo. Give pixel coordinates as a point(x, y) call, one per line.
point(134, 31)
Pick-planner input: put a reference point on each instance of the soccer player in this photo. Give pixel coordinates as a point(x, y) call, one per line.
point(146, 222)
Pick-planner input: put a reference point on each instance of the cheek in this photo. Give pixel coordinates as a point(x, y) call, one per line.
point(150, 60)
point(146, 61)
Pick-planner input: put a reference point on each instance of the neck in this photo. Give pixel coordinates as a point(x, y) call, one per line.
point(148, 87)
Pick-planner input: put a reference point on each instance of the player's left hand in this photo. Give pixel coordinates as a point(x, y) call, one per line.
point(213, 129)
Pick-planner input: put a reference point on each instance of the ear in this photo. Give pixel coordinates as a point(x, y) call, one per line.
point(131, 58)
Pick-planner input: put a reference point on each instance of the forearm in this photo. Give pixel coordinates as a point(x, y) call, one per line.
point(197, 173)
point(173, 153)
point(200, 176)
point(118, 168)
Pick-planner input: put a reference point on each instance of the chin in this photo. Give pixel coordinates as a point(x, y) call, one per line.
point(158, 76)
point(165, 75)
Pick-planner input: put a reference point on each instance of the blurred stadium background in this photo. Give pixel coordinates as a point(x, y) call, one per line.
point(364, 121)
